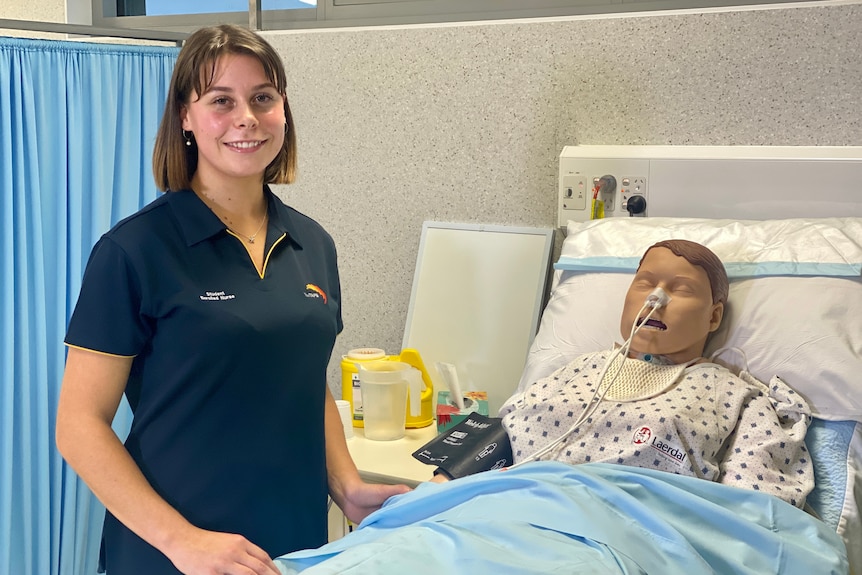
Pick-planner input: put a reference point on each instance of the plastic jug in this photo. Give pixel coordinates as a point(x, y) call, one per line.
point(350, 387)
point(352, 391)
point(384, 397)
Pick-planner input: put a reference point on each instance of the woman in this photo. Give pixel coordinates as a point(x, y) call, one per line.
point(215, 310)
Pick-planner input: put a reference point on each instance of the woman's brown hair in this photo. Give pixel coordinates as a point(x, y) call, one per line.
point(174, 162)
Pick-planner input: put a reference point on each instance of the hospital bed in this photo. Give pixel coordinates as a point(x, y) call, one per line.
point(794, 312)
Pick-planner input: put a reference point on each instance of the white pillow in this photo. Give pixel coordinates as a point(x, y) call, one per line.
point(794, 310)
point(748, 248)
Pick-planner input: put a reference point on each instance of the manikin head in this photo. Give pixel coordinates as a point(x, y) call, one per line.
point(696, 281)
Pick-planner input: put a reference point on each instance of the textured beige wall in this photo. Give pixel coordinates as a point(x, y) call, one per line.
point(42, 11)
point(464, 123)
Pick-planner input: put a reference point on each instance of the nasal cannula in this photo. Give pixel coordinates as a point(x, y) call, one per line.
point(656, 299)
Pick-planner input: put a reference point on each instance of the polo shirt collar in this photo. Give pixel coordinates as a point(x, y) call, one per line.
point(198, 223)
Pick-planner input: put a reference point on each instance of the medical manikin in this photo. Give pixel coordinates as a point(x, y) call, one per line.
point(655, 402)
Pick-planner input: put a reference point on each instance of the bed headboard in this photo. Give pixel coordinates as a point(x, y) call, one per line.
point(733, 182)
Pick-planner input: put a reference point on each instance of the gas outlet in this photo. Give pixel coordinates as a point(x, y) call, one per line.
point(605, 190)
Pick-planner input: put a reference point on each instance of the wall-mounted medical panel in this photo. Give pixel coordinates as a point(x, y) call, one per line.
point(742, 182)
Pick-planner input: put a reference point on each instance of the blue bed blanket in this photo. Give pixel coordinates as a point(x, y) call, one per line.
point(549, 517)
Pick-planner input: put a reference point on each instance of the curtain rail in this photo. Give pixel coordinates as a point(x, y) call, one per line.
point(87, 30)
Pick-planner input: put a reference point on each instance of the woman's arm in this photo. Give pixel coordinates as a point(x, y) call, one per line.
point(356, 498)
point(93, 385)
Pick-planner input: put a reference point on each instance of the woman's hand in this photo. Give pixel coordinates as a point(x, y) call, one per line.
point(354, 497)
point(204, 552)
point(361, 499)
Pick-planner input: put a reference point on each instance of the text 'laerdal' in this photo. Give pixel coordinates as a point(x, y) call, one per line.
point(666, 449)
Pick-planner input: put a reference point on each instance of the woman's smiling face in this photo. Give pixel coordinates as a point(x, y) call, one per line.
point(238, 122)
point(681, 327)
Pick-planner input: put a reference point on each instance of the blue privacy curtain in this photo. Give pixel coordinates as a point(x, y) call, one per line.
point(77, 126)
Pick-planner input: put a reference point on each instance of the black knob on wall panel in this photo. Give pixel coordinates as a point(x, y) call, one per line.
point(636, 205)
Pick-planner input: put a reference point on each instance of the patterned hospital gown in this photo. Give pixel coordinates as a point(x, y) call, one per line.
point(712, 424)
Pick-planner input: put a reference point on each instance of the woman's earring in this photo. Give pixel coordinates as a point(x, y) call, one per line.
point(188, 137)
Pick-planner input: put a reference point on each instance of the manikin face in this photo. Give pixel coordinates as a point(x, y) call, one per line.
point(238, 123)
point(678, 330)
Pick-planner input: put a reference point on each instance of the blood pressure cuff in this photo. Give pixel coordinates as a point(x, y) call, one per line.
point(478, 443)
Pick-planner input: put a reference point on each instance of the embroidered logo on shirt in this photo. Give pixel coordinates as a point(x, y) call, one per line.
point(644, 435)
point(312, 290)
point(216, 296)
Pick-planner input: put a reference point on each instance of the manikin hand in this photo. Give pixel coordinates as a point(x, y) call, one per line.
point(209, 553)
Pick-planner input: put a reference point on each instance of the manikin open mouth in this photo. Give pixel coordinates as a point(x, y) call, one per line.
point(652, 324)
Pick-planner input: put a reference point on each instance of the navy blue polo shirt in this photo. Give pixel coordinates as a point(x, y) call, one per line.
point(229, 373)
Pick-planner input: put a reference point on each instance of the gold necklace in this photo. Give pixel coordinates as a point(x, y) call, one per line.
point(211, 205)
point(252, 237)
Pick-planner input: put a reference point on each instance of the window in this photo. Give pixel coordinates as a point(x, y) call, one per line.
point(186, 15)
point(173, 7)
